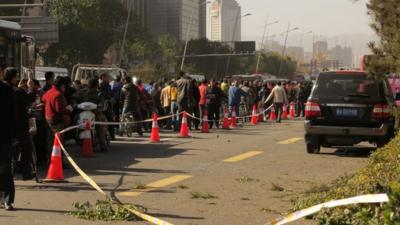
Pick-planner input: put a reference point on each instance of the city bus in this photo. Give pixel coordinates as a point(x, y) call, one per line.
point(16, 49)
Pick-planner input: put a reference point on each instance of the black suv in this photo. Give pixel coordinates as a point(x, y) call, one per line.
point(346, 108)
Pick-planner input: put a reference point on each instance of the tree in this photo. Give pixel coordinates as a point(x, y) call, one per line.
point(385, 17)
point(87, 29)
point(12, 11)
point(169, 49)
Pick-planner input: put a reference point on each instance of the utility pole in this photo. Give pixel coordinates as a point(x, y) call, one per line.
point(228, 62)
point(128, 18)
point(263, 42)
point(186, 43)
point(284, 48)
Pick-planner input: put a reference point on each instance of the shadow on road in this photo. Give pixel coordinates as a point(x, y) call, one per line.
point(161, 215)
point(42, 210)
point(352, 152)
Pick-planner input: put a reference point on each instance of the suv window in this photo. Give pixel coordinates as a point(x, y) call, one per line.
point(339, 86)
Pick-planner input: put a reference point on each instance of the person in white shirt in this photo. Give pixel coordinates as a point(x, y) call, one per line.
point(279, 97)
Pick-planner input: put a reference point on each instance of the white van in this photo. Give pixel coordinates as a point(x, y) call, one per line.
point(41, 71)
point(84, 72)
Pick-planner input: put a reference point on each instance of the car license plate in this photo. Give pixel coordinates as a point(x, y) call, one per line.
point(346, 112)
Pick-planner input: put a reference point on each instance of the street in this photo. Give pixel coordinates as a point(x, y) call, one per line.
point(244, 176)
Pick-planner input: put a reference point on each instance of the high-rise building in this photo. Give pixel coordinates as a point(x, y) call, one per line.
point(203, 18)
point(342, 54)
point(179, 18)
point(320, 48)
point(296, 53)
point(225, 21)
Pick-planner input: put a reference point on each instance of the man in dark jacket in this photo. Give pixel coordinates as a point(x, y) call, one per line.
point(130, 102)
point(7, 139)
point(195, 106)
point(215, 95)
point(49, 76)
point(185, 99)
point(301, 98)
point(107, 95)
point(23, 101)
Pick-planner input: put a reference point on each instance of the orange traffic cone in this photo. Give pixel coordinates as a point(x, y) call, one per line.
point(86, 136)
point(233, 120)
point(204, 123)
point(55, 172)
point(260, 115)
point(292, 113)
point(184, 126)
point(225, 124)
point(285, 112)
point(155, 130)
point(272, 115)
point(254, 117)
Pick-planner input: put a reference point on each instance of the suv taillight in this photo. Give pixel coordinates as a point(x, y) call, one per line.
point(381, 111)
point(312, 110)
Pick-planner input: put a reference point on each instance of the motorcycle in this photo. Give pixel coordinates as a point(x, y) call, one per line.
point(86, 115)
point(128, 127)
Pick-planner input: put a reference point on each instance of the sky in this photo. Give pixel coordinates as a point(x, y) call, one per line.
point(324, 17)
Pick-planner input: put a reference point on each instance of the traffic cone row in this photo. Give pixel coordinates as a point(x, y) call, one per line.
point(225, 124)
point(284, 112)
point(55, 172)
point(204, 123)
point(233, 119)
point(184, 133)
point(155, 130)
point(87, 145)
point(292, 113)
point(254, 117)
point(272, 114)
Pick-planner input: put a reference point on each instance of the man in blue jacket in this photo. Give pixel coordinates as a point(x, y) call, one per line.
point(234, 97)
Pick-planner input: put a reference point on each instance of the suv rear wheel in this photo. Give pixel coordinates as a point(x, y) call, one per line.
point(313, 144)
point(313, 148)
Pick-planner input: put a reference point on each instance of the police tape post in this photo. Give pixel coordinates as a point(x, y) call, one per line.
point(363, 199)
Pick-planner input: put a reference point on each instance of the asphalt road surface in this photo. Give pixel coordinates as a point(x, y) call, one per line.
point(247, 176)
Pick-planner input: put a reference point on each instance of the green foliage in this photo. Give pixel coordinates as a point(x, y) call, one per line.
point(12, 11)
point(87, 29)
point(381, 175)
point(216, 66)
point(385, 17)
point(104, 211)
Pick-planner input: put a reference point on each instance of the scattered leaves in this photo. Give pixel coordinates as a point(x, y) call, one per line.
point(202, 195)
point(276, 187)
point(105, 211)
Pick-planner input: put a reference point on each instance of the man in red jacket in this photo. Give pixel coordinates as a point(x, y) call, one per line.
point(56, 113)
point(203, 96)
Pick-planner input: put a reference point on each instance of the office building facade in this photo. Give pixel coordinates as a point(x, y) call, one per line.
point(179, 18)
point(225, 21)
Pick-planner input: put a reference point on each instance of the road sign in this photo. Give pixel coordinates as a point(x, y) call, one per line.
point(44, 30)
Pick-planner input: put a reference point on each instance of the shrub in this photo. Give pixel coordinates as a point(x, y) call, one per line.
point(381, 175)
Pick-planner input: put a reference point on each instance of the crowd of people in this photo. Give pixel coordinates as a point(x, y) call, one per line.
point(32, 113)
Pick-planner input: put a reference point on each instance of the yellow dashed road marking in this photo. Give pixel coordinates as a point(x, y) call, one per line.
point(290, 141)
point(242, 156)
point(157, 184)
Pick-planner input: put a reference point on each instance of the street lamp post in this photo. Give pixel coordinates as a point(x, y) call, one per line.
point(299, 56)
point(187, 37)
point(284, 47)
point(233, 38)
point(263, 41)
